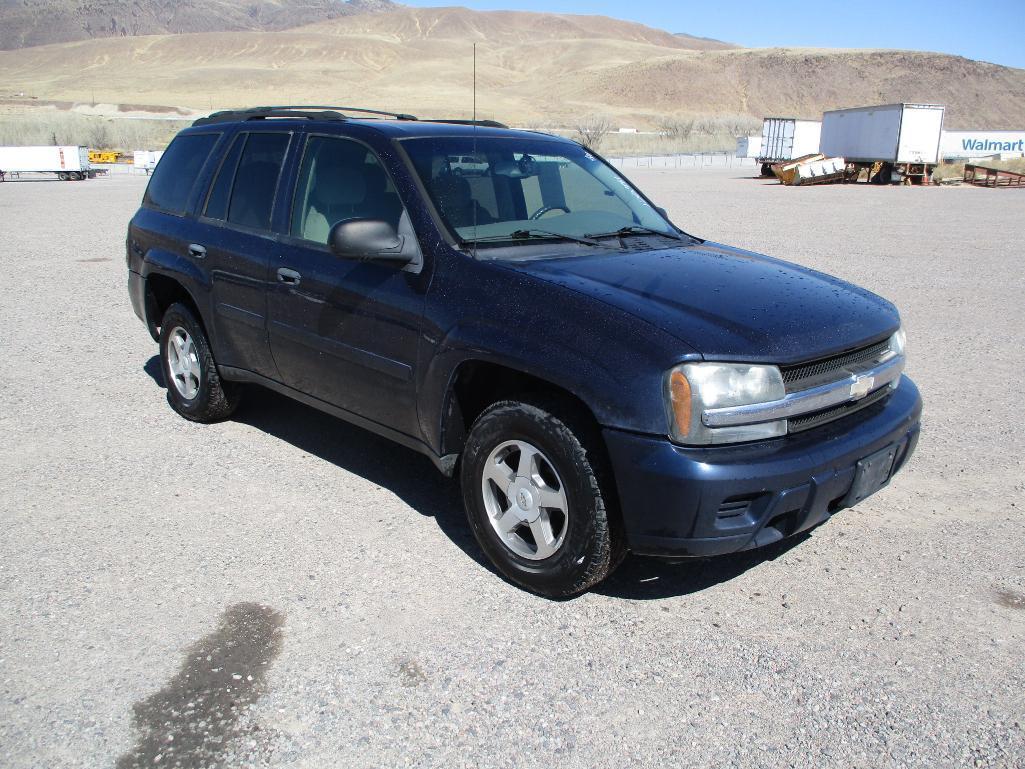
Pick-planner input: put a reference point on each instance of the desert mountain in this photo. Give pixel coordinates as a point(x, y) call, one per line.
point(40, 22)
point(531, 68)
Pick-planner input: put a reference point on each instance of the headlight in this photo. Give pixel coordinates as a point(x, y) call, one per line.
point(693, 387)
point(898, 345)
point(898, 342)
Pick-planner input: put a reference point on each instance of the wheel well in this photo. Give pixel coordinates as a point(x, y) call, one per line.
point(478, 384)
point(161, 292)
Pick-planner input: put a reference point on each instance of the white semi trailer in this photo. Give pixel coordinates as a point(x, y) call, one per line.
point(894, 139)
point(785, 139)
point(146, 159)
point(749, 146)
point(69, 163)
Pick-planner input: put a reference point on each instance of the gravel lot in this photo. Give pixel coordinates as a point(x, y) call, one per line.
point(313, 596)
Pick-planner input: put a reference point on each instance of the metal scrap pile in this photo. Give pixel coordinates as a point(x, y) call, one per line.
point(810, 169)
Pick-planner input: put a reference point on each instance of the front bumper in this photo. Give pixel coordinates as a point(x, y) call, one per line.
point(679, 501)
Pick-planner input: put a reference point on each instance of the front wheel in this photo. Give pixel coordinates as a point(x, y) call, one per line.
point(533, 491)
point(194, 388)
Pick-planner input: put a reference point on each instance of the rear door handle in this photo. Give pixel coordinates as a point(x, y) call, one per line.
point(289, 277)
point(197, 250)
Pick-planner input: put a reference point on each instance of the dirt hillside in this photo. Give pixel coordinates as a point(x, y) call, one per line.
point(43, 22)
point(532, 68)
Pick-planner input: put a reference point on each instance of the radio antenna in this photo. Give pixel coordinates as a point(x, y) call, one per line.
point(472, 201)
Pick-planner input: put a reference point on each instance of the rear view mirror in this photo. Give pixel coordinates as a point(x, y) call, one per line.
point(515, 169)
point(371, 239)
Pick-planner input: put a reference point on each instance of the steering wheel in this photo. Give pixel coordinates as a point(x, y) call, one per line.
point(545, 209)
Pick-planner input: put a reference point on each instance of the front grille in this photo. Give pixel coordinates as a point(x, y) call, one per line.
point(797, 424)
point(805, 375)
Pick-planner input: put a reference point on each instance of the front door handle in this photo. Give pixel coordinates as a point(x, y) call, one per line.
point(289, 277)
point(197, 250)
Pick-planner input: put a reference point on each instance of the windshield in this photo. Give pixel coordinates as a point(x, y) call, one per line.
point(506, 190)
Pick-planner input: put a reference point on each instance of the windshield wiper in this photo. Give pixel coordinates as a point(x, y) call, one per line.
point(634, 229)
point(532, 233)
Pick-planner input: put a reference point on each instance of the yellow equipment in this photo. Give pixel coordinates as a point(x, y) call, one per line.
point(104, 156)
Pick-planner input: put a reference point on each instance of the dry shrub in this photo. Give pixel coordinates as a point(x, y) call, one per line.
point(95, 132)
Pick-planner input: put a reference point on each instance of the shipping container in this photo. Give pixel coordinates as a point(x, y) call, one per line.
point(749, 146)
point(67, 162)
point(785, 138)
point(964, 145)
point(891, 133)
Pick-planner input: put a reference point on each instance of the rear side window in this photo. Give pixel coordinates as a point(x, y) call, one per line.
point(220, 192)
point(177, 171)
point(252, 195)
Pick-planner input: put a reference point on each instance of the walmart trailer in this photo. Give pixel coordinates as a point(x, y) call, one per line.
point(69, 163)
point(968, 145)
point(785, 139)
point(903, 139)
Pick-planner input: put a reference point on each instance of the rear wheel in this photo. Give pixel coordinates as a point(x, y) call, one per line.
point(531, 485)
point(194, 388)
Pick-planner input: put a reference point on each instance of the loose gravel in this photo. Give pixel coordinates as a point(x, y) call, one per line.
point(284, 590)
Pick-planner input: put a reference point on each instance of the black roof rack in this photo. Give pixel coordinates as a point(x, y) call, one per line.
point(481, 123)
point(304, 111)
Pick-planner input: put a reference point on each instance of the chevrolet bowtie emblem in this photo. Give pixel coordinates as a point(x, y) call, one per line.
point(862, 386)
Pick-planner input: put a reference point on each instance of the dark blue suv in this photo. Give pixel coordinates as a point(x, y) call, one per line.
point(508, 304)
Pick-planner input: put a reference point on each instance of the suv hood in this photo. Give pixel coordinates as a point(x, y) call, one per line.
point(726, 303)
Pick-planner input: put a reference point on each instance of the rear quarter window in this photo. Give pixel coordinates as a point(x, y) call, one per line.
point(176, 173)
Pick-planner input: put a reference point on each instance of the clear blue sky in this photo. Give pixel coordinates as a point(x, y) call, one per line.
point(990, 30)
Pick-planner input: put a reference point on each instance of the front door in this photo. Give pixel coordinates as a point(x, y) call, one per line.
point(342, 330)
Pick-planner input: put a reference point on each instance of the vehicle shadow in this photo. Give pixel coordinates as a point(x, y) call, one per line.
point(409, 475)
point(155, 372)
point(643, 579)
point(413, 478)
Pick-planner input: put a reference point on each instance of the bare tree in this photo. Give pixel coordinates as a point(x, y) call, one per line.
point(98, 136)
point(591, 131)
point(673, 128)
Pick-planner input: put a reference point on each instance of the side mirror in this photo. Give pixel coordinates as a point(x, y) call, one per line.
point(662, 212)
point(370, 239)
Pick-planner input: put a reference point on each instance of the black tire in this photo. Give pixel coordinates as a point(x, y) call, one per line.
point(767, 169)
point(593, 544)
point(215, 399)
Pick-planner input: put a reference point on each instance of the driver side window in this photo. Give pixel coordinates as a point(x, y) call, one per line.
point(340, 179)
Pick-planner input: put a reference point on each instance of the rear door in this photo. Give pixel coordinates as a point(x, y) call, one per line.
point(342, 330)
point(236, 243)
